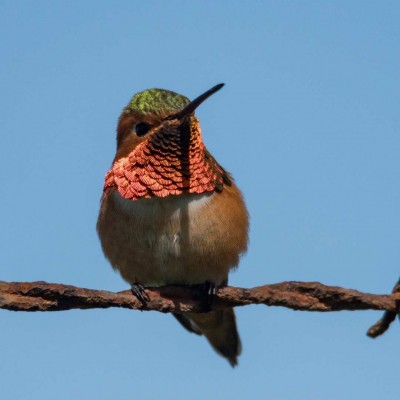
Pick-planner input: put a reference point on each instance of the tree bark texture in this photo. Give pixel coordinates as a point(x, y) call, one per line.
point(302, 296)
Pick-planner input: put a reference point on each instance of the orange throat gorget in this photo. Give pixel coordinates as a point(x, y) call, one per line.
point(169, 162)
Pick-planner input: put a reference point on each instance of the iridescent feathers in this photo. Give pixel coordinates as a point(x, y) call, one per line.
point(157, 101)
point(170, 162)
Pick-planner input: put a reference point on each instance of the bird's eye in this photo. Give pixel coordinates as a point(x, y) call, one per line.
point(141, 128)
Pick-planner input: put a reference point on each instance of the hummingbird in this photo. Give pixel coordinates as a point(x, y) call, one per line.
point(170, 214)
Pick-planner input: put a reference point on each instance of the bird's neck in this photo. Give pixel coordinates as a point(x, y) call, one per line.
point(171, 162)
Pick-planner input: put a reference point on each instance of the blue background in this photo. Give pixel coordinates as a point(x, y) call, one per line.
point(308, 123)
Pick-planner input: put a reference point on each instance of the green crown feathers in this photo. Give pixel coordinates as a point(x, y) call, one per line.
point(157, 101)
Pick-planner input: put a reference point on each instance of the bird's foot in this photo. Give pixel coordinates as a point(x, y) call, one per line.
point(138, 290)
point(208, 291)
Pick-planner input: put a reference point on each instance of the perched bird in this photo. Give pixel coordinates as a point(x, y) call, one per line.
point(170, 214)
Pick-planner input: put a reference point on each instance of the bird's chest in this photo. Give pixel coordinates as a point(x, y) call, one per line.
point(162, 224)
point(149, 239)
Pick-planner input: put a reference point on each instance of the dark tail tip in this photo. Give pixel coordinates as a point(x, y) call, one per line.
point(219, 327)
point(233, 361)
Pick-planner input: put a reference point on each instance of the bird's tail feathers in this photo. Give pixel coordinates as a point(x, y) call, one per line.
point(219, 327)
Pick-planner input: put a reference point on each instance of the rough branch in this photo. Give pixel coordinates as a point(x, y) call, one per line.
point(302, 296)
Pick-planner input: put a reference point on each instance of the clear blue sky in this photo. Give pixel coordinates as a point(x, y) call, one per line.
point(309, 125)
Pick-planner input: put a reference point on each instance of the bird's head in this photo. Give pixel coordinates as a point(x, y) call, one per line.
point(160, 150)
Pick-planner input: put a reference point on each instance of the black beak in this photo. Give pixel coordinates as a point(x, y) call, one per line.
point(189, 109)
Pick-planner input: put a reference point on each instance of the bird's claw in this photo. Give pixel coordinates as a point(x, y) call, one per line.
point(138, 290)
point(208, 290)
